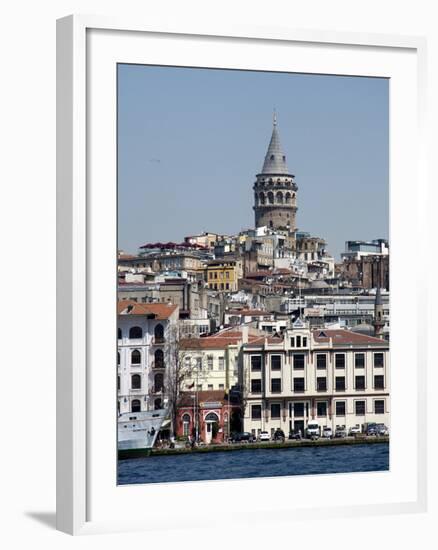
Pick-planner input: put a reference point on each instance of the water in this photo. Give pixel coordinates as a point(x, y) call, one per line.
point(255, 463)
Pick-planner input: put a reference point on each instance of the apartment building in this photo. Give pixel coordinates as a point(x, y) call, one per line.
point(336, 377)
point(144, 341)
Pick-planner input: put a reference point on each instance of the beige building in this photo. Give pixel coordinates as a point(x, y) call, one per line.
point(215, 362)
point(334, 377)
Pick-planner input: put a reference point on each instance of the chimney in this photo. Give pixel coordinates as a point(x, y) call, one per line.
point(245, 332)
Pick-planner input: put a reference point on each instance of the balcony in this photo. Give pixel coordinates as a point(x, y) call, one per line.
point(158, 340)
point(158, 365)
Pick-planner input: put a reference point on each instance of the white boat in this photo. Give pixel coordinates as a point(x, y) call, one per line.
point(137, 431)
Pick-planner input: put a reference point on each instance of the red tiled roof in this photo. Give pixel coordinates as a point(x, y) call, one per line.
point(214, 342)
point(160, 311)
point(343, 336)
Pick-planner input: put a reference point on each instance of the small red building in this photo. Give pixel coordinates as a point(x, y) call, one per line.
point(209, 415)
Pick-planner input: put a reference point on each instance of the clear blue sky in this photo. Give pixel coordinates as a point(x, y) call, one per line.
point(192, 140)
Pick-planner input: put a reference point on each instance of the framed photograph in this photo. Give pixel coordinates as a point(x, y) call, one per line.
point(234, 211)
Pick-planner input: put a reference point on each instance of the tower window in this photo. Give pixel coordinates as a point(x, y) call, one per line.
point(272, 157)
point(284, 158)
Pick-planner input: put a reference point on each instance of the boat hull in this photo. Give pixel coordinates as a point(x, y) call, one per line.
point(137, 432)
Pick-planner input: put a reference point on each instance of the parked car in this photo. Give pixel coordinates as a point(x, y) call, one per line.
point(371, 428)
point(382, 429)
point(313, 430)
point(295, 435)
point(278, 435)
point(241, 437)
point(340, 431)
point(355, 430)
point(264, 436)
point(327, 432)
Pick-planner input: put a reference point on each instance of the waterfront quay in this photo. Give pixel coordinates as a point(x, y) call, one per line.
point(251, 446)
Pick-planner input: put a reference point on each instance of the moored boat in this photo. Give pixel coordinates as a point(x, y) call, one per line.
point(138, 431)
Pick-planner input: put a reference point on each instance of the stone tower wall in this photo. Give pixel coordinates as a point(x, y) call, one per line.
point(275, 202)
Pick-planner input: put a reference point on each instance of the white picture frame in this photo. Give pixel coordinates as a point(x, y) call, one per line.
point(85, 502)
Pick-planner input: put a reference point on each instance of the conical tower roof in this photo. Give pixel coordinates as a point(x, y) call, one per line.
point(275, 159)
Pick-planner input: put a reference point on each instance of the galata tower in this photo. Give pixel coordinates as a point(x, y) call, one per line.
point(275, 191)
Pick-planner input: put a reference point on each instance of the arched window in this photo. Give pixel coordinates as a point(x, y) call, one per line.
point(118, 358)
point(136, 382)
point(135, 357)
point(279, 197)
point(118, 381)
point(262, 198)
point(271, 224)
point(271, 197)
point(287, 198)
point(159, 359)
point(119, 333)
point(158, 382)
point(136, 406)
point(159, 333)
point(272, 157)
point(135, 332)
point(157, 403)
point(212, 417)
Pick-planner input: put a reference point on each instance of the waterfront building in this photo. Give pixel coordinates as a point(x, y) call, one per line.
point(212, 361)
point(208, 416)
point(144, 340)
point(336, 377)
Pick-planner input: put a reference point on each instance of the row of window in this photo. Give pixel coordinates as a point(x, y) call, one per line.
point(321, 409)
point(299, 360)
point(221, 286)
point(136, 358)
point(278, 198)
point(214, 275)
point(136, 382)
point(321, 384)
point(136, 405)
point(210, 362)
point(136, 333)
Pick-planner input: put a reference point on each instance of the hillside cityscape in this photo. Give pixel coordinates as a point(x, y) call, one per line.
point(259, 337)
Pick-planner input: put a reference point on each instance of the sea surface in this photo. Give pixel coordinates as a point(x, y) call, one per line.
point(255, 463)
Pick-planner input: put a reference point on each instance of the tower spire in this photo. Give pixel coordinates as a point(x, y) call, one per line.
point(275, 159)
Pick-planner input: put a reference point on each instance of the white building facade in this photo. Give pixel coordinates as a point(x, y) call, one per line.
point(334, 377)
point(145, 334)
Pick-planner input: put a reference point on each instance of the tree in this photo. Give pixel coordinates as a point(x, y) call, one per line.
point(180, 370)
